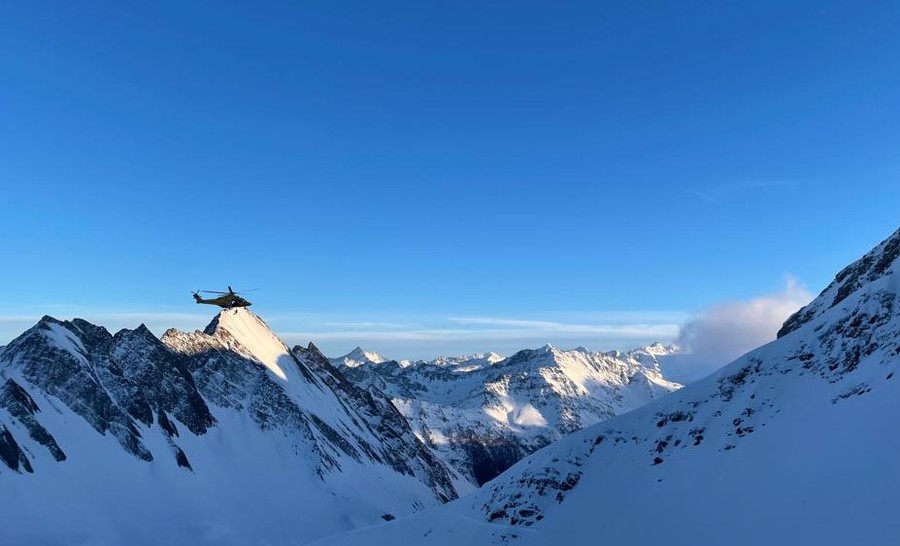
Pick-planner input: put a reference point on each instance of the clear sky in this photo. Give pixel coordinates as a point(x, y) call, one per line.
point(440, 177)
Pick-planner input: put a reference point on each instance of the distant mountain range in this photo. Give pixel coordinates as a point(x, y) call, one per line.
point(483, 412)
point(223, 430)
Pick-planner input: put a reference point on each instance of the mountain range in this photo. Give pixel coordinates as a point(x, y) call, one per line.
point(791, 443)
point(225, 435)
point(482, 413)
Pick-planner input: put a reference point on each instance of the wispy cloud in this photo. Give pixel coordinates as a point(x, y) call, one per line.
point(574, 331)
point(520, 323)
point(19, 319)
point(533, 327)
point(369, 325)
point(456, 335)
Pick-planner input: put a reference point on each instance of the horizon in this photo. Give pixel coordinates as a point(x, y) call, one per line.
point(332, 350)
point(706, 341)
point(440, 180)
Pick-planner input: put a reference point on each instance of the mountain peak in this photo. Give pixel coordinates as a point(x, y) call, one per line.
point(141, 332)
point(868, 273)
point(253, 337)
point(359, 357)
point(658, 349)
point(47, 319)
point(229, 318)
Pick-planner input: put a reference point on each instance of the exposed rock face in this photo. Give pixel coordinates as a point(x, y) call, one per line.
point(11, 453)
point(383, 420)
point(874, 265)
point(21, 407)
point(113, 382)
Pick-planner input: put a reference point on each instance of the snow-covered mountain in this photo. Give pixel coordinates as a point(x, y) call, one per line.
point(461, 363)
point(220, 436)
point(358, 357)
point(792, 443)
point(482, 413)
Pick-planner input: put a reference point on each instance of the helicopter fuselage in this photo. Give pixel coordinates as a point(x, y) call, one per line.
point(226, 302)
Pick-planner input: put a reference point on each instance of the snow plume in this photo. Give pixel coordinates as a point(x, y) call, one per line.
point(726, 330)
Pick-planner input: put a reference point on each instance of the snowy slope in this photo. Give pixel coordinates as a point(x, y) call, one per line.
point(482, 413)
point(790, 444)
point(222, 437)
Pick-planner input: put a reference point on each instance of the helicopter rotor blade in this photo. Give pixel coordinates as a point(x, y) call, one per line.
point(234, 292)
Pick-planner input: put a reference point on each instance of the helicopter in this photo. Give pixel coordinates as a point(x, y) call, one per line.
point(225, 300)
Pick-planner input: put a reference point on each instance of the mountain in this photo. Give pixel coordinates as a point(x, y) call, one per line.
point(462, 363)
point(358, 357)
point(792, 443)
point(220, 436)
point(482, 413)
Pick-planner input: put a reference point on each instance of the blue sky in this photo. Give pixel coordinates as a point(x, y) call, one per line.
point(429, 177)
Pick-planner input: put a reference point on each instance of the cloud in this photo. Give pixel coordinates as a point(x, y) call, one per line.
point(488, 321)
point(369, 325)
point(515, 327)
point(19, 319)
point(727, 330)
point(567, 331)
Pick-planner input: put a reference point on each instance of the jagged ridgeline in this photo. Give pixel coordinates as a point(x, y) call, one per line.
point(223, 433)
point(483, 413)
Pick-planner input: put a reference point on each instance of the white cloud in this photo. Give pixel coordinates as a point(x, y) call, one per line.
point(488, 321)
point(727, 330)
point(368, 325)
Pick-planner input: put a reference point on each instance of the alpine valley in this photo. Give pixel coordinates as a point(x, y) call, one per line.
point(791, 443)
